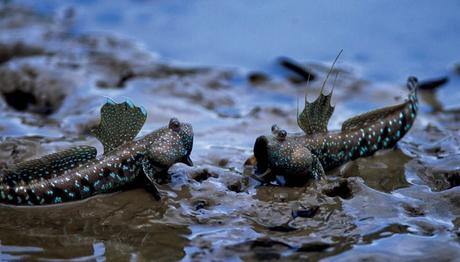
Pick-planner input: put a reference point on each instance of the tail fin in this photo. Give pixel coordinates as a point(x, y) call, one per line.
point(412, 85)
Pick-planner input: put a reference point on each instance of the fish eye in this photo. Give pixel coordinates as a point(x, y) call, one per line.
point(174, 124)
point(275, 129)
point(281, 135)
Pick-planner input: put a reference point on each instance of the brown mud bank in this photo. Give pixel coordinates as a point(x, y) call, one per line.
point(400, 204)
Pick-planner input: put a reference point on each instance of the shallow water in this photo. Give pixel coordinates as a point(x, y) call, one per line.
point(399, 204)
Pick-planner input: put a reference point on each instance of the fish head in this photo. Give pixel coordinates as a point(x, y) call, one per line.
point(282, 155)
point(172, 144)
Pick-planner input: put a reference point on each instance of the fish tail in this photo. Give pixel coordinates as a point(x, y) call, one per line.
point(412, 85)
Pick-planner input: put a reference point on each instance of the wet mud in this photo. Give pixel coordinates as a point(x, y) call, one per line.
point(400, 204)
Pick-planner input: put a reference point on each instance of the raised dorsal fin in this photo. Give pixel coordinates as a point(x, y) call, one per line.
point(49, 166)
point(315, 116)
point(120, 123)
point(374, 116)
point(371, 117)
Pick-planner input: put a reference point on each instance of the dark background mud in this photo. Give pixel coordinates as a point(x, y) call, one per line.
point(400, 204)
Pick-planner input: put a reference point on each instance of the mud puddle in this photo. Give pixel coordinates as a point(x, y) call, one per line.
point(400, 204)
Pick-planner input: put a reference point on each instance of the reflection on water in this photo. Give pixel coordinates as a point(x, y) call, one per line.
point(112, 227)
point(384, 172)
point(22, 252)
point(387, 41)
point(9, 252)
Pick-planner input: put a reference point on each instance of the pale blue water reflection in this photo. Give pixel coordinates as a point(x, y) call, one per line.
point(385, 41)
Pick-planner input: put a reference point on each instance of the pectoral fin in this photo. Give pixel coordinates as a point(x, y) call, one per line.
point(120, 123)
point(149, 178)
point(317, 170)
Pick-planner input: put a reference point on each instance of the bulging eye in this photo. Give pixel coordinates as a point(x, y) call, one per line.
point(174, 124)
point(281, 134)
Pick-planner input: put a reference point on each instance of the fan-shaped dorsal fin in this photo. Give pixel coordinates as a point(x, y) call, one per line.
point(315, 116)
point(120, 123)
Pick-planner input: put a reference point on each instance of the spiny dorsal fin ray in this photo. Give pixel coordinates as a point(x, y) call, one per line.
point(374, 116)
point(50, 165)
point(315, 116)
point(120, 123)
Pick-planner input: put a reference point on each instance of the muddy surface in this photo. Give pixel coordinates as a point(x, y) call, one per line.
point(400, 204)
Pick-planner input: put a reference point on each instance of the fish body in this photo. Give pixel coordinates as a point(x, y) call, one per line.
point(298, 157)
point(76, 173)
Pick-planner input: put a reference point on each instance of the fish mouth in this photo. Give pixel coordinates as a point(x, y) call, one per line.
point(261, 154)
point(186, 137)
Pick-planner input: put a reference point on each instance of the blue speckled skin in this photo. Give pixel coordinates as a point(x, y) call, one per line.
point(298, 157)
point(161, 149)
